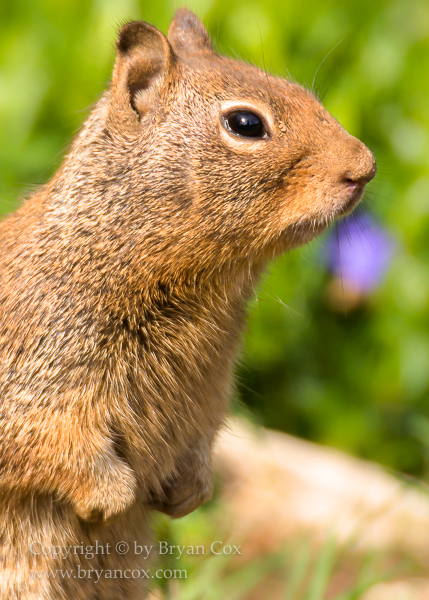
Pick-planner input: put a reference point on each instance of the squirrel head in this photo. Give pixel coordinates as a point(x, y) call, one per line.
point(223, 159)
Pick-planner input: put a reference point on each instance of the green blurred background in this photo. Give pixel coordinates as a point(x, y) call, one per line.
point(355, 379)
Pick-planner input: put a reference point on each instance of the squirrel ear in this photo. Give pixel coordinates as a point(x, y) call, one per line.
point(143, 58)
point(187, 33)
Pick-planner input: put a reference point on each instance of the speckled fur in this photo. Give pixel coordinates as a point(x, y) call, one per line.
point(124, 283)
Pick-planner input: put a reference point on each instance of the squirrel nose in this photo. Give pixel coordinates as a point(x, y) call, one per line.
point(362, 173)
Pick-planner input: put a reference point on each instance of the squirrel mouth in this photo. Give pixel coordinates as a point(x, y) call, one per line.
point(334, 208)
point(355, 195)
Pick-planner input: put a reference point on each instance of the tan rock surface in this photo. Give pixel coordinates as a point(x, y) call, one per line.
point(278, 486)
point(407, 589)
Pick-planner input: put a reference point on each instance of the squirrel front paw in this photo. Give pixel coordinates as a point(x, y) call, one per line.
point(110, 490)
point(178, 497)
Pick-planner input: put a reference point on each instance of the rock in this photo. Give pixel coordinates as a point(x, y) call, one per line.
point(406, 589)
point(277, 486)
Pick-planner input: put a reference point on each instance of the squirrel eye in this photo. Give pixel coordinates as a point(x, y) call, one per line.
point(245, 124)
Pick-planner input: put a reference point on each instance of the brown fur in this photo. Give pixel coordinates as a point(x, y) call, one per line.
point(124, 284)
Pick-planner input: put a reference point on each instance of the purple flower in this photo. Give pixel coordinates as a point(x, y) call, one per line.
point(359, 253)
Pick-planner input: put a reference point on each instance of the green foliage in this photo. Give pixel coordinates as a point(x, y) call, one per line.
point(298, 571)
point(357, 381)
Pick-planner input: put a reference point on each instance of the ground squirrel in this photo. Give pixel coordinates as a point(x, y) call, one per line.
point(124, 284)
